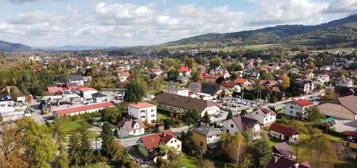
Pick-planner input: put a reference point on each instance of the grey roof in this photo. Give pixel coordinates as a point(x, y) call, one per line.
point(284, 149)
point(75, 77)
point(350, 102)
point(5, 98)
point(183, 102)
point(208, 88)
point(99, 94)
point(208, 131)
point(244, 123)
point(175, 89)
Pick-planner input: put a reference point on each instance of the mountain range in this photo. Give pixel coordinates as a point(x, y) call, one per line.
point(341, 32)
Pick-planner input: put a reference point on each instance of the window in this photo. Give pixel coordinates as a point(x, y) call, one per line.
point(201, 143)
point(291, 112)
point(232, 126)
point(153, 115)
point(291, 107)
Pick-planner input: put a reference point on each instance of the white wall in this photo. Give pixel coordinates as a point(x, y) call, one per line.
point(145, 114)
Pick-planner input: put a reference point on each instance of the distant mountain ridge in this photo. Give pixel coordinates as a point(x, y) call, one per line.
point(337, 31)
point(14, 47)
point(75, 48)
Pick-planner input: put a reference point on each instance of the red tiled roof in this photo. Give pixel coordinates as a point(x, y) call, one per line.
point(124, 74)
point(350, 133)
point(303, 102)
point(84, 108)
point(55, 89)
point(240, 80)
point(205, 75)
point(184, 69)
point(228, 84)
point(283, 130)
point(142, 105)
point(154, 140)
point(86, 89)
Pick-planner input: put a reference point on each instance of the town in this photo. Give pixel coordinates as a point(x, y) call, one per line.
point(189, 112)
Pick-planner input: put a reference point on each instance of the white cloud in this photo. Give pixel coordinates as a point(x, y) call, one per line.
point(343, 6)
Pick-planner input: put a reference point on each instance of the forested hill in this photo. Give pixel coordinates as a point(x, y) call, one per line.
point(13, 47)
point(334, 32)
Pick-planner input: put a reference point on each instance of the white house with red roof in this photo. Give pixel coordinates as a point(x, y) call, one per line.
point(298, 108)
point(147, 145)
point(264, 116)
point(144, 111)
point(123, 76)
point(284, 133)
point(185, 71)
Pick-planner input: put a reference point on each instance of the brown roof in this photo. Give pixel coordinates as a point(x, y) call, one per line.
point(129, 124)
point(280, 162)
point(350, 102)
point(283, 129)
point(187, 103)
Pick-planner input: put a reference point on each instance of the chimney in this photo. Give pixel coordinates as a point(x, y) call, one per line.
point(296, 165)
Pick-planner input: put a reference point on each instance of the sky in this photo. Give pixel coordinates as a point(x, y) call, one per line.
point(42, 23)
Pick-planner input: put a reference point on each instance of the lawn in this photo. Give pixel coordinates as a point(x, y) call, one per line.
point(188, 162)
point(72, 125)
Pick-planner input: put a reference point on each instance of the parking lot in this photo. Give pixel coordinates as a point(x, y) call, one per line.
point(236, 105)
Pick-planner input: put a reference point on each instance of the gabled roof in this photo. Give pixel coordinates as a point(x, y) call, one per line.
point(303, 102)
point(187, 103)
point(84, 89)
point(99, 94)
point(128, 124)
point(283, 129)
point(126, 74)
point(206, 75)
point(84, 108)
point(55, 89)
point(350, 102)
point(208, 131)
point(141, 105)
point(75, 77)
point(154, 140)
point(228, 84)
point(244, 123)
point(184, 69)
point(284, 149)
point(240, 80)
point(280, 162)
point(265, 111)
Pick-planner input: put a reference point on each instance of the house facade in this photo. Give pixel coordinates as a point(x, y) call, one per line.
point(240, 124)
point(206, 137)
point(144, 111)
point(298, 109)
point(75, 80)
point(264, 116)
point(130, 127)
point(283, 133)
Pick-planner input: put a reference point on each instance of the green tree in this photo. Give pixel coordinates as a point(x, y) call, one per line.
point(315, 115)
point(192, 117)
point(108, 149)
point(80, 147)
point(234, 147)
point(261, 152)
point(215, 63)
point(62, 160)
point(172, 74)
point(39, 148)
point(330, 94)
point(134, 92)
point(196, 76)
point(207, 164)
point(74, 149)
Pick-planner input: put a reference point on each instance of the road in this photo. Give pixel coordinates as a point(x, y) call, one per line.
point(132, 141)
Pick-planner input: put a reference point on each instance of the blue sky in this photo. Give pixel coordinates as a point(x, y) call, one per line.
point(42, 23)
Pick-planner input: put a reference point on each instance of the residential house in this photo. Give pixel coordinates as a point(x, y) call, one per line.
point(251, 74)
point(156, 72)
point(344, 82)
point(281, 162)
point(298, 108)
point(303, 86)
point(130, 127)
point(99, 97)
point(230, 87)
point(123, 68)
point(240, 124)
point(264, 116)
point(283, 149)
point(206, 138)
point(185, 71)
point(177, 91)
point(209, 77)
point(283, 133)
point(182, 104)
point(149, 145)
point(344, 108)
point(323, 79)
point(144, 111)
point(8, 110)
point(75, 80)
point(205, 91)
point(243, 82)
point(123, 76)
point(269, 83)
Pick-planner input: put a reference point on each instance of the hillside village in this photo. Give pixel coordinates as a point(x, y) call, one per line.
point(193, 111)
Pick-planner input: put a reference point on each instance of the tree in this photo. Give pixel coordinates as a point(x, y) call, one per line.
point(266, 75)
point(196, 76)
point(112, 114)
point(172, 74)
point(234, 147)
point(108, 149)
point(134, 92)
point(315, 115)
point(80, 147)
point(260, 152)
point(192, 117)
point(321, 152)
point(285, 81)
point(230, 114)
point(39, 149)
point(330, 94)
point(215, 63)
point(189, 62)
point(62, 160)
point(207, 164)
